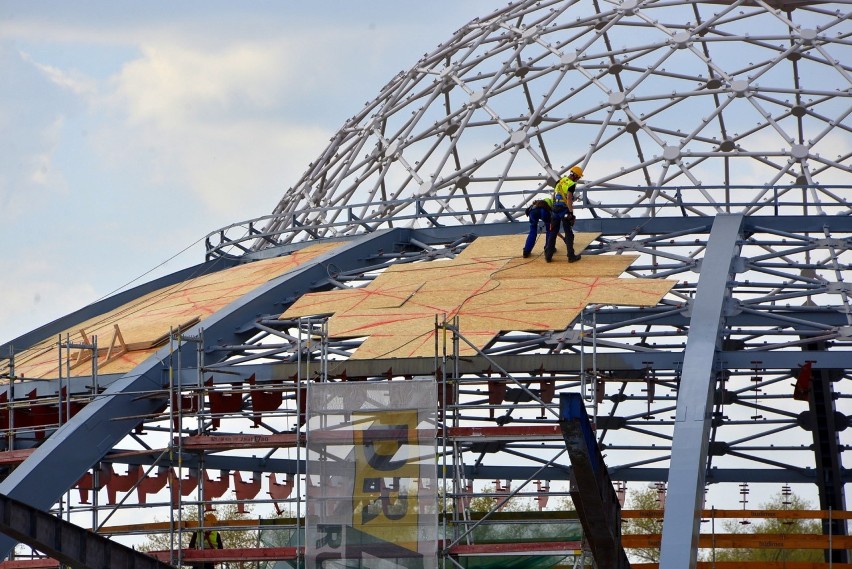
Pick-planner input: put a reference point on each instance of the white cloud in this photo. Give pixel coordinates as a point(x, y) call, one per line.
point(172, 84)
point(245, 168)
point(73, 81)
point(213, 124)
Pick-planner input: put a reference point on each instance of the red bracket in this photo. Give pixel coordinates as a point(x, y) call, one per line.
point(264, 400)
point(246, 490)
point(224, 401)
point(152, 484)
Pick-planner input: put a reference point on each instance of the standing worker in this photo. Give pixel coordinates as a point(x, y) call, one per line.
point(563, 212)
point(539, 210)
point(207, 539)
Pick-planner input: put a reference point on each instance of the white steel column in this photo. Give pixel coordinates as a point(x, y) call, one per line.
point(685, 498)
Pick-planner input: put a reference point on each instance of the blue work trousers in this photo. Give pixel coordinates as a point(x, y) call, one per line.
point(537, 214)
point(560, 216)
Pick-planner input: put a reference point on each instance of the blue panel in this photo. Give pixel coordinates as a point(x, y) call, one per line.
point(572, 409)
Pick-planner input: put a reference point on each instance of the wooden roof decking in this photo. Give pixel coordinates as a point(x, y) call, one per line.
point(130, 333)
point(489, 286)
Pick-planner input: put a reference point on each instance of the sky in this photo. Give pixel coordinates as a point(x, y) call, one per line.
point(130, 130)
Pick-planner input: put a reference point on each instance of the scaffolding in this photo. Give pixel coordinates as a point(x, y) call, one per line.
point(224, 425)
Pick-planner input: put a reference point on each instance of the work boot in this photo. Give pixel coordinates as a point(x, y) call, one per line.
point(573, 258)
point(548, 255)
point(526, 254)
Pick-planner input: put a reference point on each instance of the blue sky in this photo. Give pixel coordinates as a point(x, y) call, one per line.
point(132, 129)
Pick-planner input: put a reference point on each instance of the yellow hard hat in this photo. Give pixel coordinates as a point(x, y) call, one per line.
point(577, 170)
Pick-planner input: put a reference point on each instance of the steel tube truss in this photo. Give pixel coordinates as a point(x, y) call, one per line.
point(684, 115)
point(630, 363)
point(664, 96)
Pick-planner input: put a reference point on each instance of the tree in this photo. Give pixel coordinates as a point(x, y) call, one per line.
point(772, 526)
point(231, 538)
point(519, 521)
point(646, 499)
point(486, 503)
point(565, 504)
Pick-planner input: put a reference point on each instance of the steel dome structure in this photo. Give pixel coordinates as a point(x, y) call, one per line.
point(649, 94)
point(715, 140)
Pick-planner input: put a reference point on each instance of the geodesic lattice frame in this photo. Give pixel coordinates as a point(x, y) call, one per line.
point(651, 94)
point(489, 118)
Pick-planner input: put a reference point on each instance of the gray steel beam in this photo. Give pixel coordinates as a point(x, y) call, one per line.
point(518, 363)
point(69, 544)
point(534, 363)
point(504, 472)
point(653, 226)
point(59, 463)
point(679, 547)
point(622, 226)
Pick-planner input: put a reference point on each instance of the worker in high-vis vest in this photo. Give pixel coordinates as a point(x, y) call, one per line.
point(209, 538)
point(563, 214)
point(539, 210)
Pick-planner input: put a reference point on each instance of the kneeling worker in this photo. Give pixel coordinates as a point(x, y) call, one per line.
point(538, 211)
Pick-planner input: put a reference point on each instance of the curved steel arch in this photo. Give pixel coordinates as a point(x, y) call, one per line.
point(638, 347)
point(696, 116)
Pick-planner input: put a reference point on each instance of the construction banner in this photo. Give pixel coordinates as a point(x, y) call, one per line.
point(372, 476)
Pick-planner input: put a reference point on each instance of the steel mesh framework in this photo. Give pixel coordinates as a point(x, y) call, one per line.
point(716, 147)
point(649, 94)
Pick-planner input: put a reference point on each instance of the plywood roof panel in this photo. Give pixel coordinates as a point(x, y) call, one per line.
point(489, 286)
point(601, 266)
point(143, 323)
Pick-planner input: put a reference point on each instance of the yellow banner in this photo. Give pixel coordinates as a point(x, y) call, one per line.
point(385, 501)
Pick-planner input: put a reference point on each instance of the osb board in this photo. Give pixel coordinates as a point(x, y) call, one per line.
point(626, 292)
point(401, 341)
point(147, 320)
point(355, 324)
point(489, 286)
point(384, 295)
point(509, 246)
point(441, 270)
point(579, 292)
point(588, 266)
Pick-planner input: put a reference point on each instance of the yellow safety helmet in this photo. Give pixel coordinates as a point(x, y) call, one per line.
point(577, 170)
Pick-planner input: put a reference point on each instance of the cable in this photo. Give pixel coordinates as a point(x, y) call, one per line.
point(149, 271)
point(125, 309)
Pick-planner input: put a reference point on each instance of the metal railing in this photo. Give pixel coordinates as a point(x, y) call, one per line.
point(308, 224)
